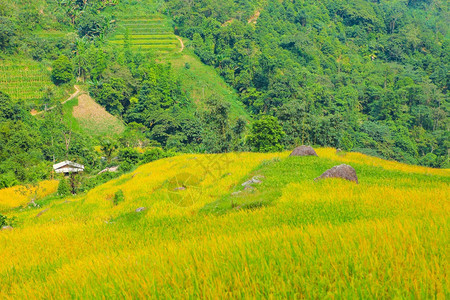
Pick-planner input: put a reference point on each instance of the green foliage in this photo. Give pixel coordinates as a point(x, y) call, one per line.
point(3, 221)
point(108, 147)
point(6, 221)
point(21, 145)
point(118, 197)
point(333, 71)
point(91, 24)
point(62, 71)
point(63, 187)
point(266, 135)
point(129, 155)
point(155, 153)
point(8, 34)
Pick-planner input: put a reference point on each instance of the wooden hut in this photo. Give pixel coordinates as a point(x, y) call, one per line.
point(68, 167)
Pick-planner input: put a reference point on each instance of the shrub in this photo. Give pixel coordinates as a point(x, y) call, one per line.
point(118, 197)
point(125, 166)
point(266, 135)
point(129, 155)
point(63, 187)
point(5, 221)
point(62, 70)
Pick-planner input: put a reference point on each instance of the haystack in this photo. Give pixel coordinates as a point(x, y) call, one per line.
point(304, 151)
point(342, 171)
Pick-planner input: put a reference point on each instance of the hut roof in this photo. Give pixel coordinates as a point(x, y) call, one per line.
point(68, 167)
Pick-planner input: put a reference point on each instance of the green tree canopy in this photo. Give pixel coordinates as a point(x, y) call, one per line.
point(266, 135)
point(62, 71)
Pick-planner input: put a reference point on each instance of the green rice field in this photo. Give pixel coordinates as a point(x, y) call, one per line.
point(152, 32)
point(24, 80)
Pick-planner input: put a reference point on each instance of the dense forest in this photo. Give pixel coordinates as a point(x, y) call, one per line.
point(367, 76)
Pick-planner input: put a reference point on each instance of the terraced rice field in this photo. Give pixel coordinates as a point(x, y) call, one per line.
point(287, 237)
point(26, 80)
point(144, 33)
point(52, 34)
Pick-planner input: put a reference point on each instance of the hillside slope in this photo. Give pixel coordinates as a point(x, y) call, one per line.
point(371, 76)
point(93, 118)
point(289, 237)
point(142, 29)
point(202, 82)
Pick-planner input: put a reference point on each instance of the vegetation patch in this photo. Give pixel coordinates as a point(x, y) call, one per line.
point(24, 80)
point(202, 82)
point(151, 32)
point(94, 119)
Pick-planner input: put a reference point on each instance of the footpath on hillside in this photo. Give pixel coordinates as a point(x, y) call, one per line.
point(72, 96)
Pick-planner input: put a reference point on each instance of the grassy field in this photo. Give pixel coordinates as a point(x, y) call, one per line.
point(386, 237)
point(83, 114)
point(94, 119)
point(17, 196)
point(202, 82)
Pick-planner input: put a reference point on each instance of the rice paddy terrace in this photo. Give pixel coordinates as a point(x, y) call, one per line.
point(144, 33)
point(186, 228)
point(24, 80)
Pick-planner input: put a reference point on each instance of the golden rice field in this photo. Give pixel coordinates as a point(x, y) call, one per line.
point(21, 195)
point(290, 237)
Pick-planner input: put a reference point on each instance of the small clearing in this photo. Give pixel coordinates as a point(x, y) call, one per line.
point(228, 22)
point(253, 19)
point(95, 119)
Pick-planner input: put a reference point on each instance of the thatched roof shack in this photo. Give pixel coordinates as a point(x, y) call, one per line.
point(67, 167)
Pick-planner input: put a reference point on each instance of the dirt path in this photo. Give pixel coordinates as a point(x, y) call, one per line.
point(74, 95)
point(255, 17)
point(182, 44)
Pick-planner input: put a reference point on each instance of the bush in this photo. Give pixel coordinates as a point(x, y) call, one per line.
point(5, 221)
point(266, 135)
point(63, 187)
point(118, 197)
point(125, 166)
point(429, 160)
point(62, 70)
point(129, 155)
point(155, 154)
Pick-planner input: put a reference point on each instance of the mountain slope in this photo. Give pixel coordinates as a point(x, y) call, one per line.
point(202, 82)
point(385, 237)
point(363, 75)
point(94, 119)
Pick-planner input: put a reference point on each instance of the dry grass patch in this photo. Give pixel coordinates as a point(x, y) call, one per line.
point(94, 118)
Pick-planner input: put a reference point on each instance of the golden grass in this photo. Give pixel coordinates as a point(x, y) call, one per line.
point(21, 195)
point(327, 239)
point(354, 157)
